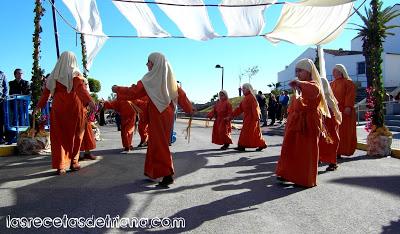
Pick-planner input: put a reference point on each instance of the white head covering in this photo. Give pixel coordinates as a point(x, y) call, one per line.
point(160, 83)
point(250, 88)
point(343, 70)
point(308, 65)
point(331, 100)
point(226, 93)
point(64, 71)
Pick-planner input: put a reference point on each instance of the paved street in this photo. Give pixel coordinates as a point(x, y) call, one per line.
point(215, 191)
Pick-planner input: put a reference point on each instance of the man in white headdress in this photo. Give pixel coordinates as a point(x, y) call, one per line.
point(345, 92)
point(68, 112)
point(298, 162)
point(160, 85)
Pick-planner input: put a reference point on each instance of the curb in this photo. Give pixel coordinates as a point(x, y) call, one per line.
point(363, 146)
point(8, 150)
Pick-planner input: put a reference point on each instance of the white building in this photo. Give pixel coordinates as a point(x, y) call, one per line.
point(355, 61)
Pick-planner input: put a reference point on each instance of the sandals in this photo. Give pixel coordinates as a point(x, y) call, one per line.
point(167, 180)
point(61, 172)
point(332, 167)
point(225, 147)
point(261, 148)
point(240, 148)
point(75, 167)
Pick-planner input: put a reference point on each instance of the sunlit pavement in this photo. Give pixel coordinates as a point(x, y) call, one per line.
point(214, 192)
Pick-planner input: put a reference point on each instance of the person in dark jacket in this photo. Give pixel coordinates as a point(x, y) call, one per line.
point(272, 106)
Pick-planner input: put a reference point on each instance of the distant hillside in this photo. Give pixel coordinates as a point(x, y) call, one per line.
point(234, 101)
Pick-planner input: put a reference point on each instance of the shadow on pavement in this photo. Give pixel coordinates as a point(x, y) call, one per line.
point(260, 184)
point(100, 188)
point(388, 184)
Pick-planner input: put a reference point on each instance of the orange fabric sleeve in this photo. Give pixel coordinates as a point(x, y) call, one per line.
point(350, 96)
point(184, 102)
point(238, 110)
point(309, 89)
point(254, 106)
point(44, 98)
point(211, 114)
point(81, 91)
point(110, 105)
point(131, 93)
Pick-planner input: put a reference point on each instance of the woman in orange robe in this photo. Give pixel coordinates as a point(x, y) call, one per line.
point(250, 135)
point(89, 141)
point(298, 162)
point(160, 86)
point(345, 92)
point(68, 112)
point(329, 144)
point(128, 118)
point(142, 103)
point(221, 134)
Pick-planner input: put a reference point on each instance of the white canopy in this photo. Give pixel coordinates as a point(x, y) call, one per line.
point(88, 21)
point(142, 18)
point(244, 21)
point(307, 25)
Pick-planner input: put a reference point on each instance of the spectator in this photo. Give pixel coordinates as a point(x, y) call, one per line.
point(284, 101)
point(19, 85)
point(3, 95)
point(272, 108)
point(262, 103)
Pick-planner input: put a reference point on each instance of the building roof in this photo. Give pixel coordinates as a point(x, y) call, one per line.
point(341, 52)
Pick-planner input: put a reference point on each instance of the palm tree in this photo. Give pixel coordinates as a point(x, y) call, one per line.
point(373, 33)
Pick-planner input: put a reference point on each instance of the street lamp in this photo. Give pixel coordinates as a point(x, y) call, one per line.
point(219, 66)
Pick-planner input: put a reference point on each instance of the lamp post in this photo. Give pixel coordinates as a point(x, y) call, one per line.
point(222, 81)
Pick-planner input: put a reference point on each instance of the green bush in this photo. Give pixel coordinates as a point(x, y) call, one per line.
point(94, 85)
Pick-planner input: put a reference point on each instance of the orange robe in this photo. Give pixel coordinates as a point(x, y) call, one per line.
point(222, 128)
point(298, 162)
point(345, 92)
point(89, 141)
point(250, 135)
point(328, 151)
point(67, 120)
point(128, 119)
point(158, 157)
point(143, 118)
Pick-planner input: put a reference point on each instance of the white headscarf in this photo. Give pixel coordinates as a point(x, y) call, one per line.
point(252, 92)
point(308, 65)
point(64, 72)
point(226, 94)
point(331, 100)
point(160, 83)
point(341, 68)
point(250, 88)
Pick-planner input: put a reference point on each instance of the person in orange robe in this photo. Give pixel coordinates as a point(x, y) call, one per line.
point(221, 134)
point(298, 162)
point(250, 135)
point(142, 103)
point(128, 118)
point(345, 92)
point(89, 141)
point(329, 144)
point(160, 86)
point(68, 112)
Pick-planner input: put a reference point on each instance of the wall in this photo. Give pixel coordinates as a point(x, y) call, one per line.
point(391, 70)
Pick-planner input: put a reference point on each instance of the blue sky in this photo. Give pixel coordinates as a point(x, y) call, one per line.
point(122, 61)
